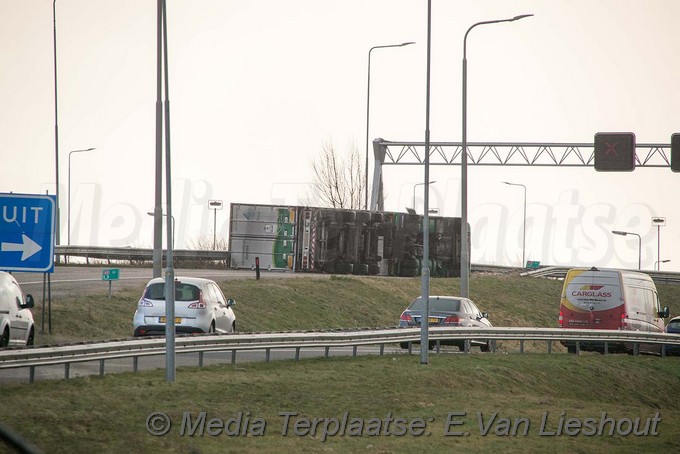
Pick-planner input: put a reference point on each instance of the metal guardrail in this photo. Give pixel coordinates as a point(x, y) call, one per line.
point(559, 272)
point(138, 254)
point(32, 357)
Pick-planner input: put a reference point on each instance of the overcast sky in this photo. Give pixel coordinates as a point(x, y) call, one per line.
point(256, 87)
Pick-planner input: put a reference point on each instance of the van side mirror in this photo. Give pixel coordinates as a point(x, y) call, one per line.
point(485, 315)
point(29, 303)
point(230, 302)
point(665, 313)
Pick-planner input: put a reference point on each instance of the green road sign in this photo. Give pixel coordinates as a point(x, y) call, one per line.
point(110, 274)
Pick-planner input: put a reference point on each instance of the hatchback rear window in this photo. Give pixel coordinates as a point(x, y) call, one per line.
point(183, 292)
point(444, 305)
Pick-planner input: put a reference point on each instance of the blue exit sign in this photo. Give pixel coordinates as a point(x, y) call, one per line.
point(27, 232)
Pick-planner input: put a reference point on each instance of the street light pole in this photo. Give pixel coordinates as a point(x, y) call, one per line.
point(414, 192)
point(622, 233)
point(68, 220)
point(368, 104)
point(56, 121)
point(172, 218)
point(465, 247)
point(524, 224)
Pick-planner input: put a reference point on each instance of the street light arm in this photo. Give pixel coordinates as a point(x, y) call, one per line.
point(521, 16)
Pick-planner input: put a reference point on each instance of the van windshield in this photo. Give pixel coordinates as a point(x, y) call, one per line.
point(183, 292)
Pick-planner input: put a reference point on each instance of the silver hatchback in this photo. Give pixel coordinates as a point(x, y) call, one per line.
point(200, 307)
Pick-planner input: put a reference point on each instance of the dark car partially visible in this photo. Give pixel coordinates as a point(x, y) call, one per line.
point(673, 327)
point(448, 311)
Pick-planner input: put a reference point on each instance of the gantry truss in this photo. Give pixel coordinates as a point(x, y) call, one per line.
point(498, 154)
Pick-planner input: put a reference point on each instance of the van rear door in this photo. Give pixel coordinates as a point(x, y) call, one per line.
point(592, 299)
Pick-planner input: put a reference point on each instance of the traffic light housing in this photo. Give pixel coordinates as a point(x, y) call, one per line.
point(615, 152)
point(675, 152)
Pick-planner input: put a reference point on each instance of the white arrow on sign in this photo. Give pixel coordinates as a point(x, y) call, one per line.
point(27, 248)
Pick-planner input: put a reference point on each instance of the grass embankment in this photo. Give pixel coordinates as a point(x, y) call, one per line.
point(109, 414)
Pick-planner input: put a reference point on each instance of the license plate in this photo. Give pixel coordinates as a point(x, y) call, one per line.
point(177, 320)
point(433, 320)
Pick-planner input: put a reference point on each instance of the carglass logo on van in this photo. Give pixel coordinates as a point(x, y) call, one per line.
point(591, 290)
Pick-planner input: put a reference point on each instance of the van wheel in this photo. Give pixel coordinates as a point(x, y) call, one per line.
point(404, 345)
point(4, 340)
point(485, 348)
point(31, 338)
point(571, 349)
point(233, 327)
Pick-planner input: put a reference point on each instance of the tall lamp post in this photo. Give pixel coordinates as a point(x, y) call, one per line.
point(172, 219)
point(622, 233)
point(68, 220)
point(524, 223)
point(56, 121)
point(368, 104)
point(414, 192)
point(465, 252)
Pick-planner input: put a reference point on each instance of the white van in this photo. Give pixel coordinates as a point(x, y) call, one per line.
point(16, 320)
point(610, 299)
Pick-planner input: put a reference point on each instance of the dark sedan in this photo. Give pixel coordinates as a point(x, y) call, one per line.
point(673, 327)
point(447, 311)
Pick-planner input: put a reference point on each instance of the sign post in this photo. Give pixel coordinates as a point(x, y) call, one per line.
point(110, 275)
point(27, 232)
point(215, 205)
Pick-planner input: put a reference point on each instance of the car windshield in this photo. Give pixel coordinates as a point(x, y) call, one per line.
point(437, 305)
point(183, 292)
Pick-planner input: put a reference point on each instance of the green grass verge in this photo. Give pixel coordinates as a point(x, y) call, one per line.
point(109, 414)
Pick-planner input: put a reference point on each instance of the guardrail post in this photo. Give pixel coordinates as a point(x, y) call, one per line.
point(67, 370)
point(135, 364)
point(31, 374)
point(382, 349)
point(578, 348)
point(267, 355)
point(466, 346)
point(327, 351)
point(297, 353)
point(521, 346)
point(354, 351)
point(606, 347)
point(438, 346)
point(493, 345)
point(410, 344)
point(549, 347)
point(200, 359)
point(101, 367)
point(636, 348)
point(663, 349)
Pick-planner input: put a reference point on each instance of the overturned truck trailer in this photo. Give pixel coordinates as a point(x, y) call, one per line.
point(341, 241)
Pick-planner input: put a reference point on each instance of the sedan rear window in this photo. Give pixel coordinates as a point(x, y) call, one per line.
point(183, 292)
point(444, 305)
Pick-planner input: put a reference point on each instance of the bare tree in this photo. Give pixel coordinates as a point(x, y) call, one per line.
point(338, 182)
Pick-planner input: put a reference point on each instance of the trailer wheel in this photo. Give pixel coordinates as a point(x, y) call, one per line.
point(373, 269)
point(343, 268)
point(363, 217)
point(361, 268)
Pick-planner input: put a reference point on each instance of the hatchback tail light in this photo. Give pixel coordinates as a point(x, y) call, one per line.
point(200, 304)
point(452, 320)
point(145, 303)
